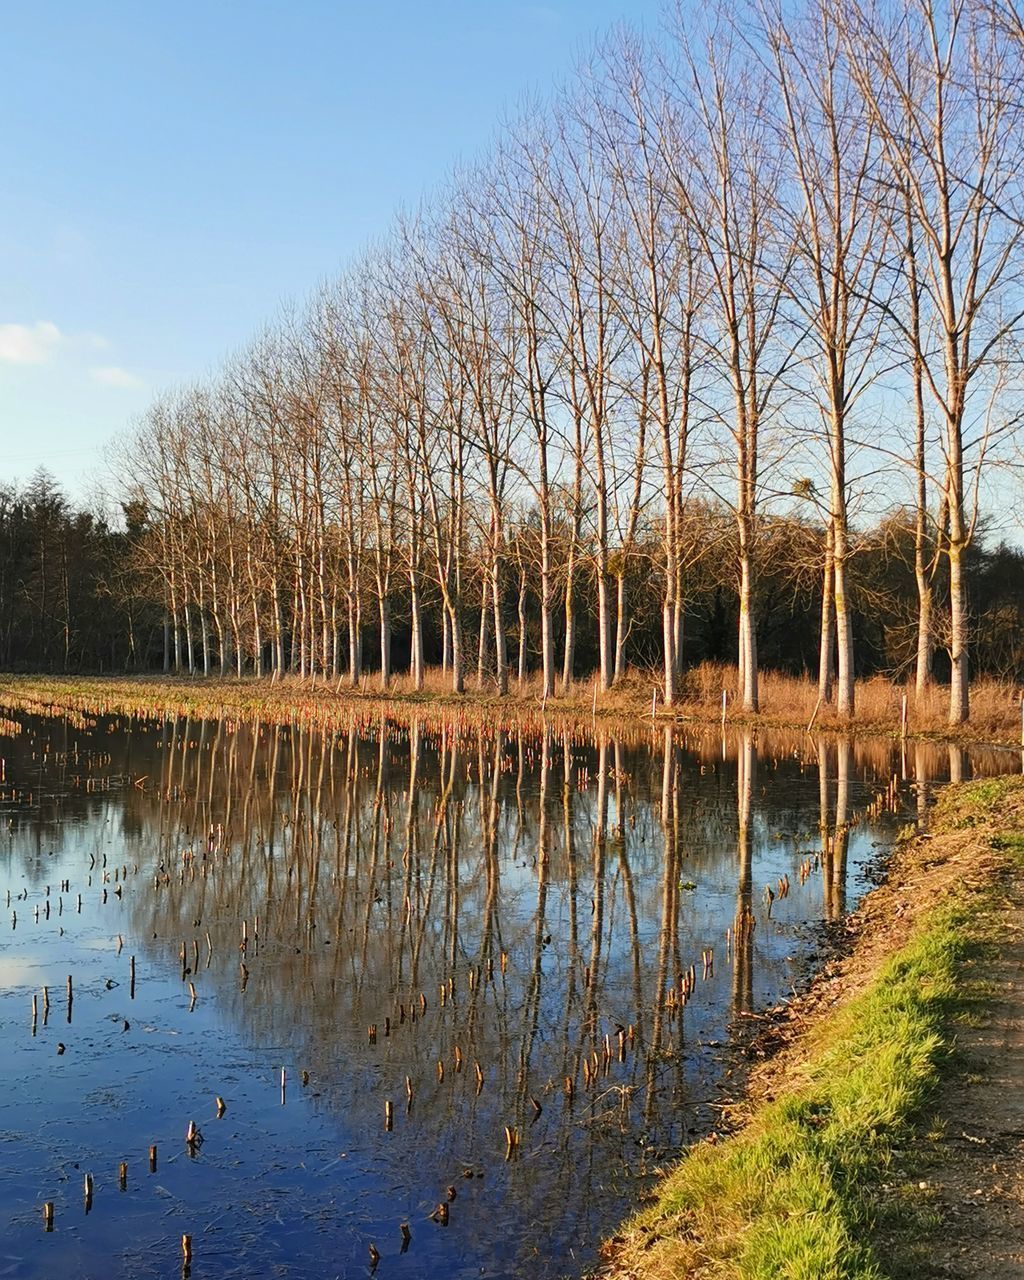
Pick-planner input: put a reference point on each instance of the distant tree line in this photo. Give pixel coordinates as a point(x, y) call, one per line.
point(80, 591)
point(65, 597)
point(713, 355)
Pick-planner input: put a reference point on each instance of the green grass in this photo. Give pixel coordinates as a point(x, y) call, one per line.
point(803, 1189)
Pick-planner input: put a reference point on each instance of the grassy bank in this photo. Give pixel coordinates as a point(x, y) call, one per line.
point(816, 1183)
point(786, 702)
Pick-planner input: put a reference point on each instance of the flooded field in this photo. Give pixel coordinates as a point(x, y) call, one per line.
point(430, 1002)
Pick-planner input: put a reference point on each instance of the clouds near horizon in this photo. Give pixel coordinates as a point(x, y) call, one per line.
point(112, 375)
point(41, 343)
point(29, 343)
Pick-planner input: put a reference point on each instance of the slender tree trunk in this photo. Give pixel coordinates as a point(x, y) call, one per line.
point(924, 627)
point(620, 625)
point(604, 629)
point(747, 630)
point(569, 651)
point(679, 622)
point(355, 638)
point(500, 639)
point(455, 633)
point(959, 688)
point(416, 655)
point(547, 638)
point(522, 627)
point(826, 646)
point(844, 627)
point(204, 624)
point(481, 650)
point(385, 640)
point(275, 590)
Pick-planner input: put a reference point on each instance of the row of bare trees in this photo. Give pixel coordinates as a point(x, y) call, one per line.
point(770, 257)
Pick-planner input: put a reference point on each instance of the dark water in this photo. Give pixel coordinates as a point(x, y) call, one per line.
point(522, 910)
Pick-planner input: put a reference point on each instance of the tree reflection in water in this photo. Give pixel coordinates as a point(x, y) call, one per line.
point(517, 914)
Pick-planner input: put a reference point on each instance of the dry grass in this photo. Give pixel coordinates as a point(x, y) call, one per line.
point(787, 702)
point(792, 700)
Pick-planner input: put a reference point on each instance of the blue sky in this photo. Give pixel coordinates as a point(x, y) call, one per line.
point(173, 172)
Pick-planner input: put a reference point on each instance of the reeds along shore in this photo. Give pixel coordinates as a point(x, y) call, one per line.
point(709, 692)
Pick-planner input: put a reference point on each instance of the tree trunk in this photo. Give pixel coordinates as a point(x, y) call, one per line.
point(500, 641)
point(844, 629)
point(620, 625)
point(827, 643)
point(416, 655)
point(747, 633)
point(522, 628)
point(569, 651)
point(455, 632)
point(604, 626)
point(355, 639)
point(959, 689)
point(385, 641)
point(481, 649)
point(924, 629)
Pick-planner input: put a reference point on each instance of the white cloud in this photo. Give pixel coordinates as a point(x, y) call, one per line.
point(29, 343)
point(111, 375)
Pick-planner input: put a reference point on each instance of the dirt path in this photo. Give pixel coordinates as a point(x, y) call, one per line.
point(976, 1179)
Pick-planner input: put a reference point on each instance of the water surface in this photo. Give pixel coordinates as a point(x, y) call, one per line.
point(501, 935)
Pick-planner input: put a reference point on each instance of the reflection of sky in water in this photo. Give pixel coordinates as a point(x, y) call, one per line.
point(601, 880)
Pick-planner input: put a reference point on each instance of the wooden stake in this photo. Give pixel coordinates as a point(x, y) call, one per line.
point(122, 1175)
point(48, 1215)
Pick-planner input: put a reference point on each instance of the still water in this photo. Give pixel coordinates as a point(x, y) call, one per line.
point(482, 984)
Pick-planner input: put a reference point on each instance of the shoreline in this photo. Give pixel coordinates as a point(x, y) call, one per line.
point(817, 1171)
point(321, 705)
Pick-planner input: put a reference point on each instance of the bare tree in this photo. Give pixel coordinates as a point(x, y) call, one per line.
point(935, 79)
point(728, 168)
